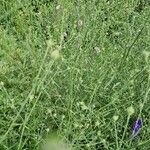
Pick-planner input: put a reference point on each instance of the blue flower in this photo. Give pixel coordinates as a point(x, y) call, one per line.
point(137, 127)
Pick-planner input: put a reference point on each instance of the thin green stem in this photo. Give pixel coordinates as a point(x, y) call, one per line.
point(116, 135)
point(126, 126)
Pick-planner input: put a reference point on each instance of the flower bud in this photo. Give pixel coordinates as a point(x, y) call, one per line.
point(115, 118)
point(55, 55)
point(130, 110)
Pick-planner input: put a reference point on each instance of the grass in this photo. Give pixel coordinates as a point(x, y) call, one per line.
point(53, 81)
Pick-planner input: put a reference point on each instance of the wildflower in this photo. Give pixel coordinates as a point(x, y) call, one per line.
point(97, 123)
point(130, 110)
point(31, 97)
point(57, 7)
point(65, 34)
point(97, 49)
point(55, 55)
point(115, 118)
point(80, 23)
point(83, 106)
point(49, 111)
point(137, 127)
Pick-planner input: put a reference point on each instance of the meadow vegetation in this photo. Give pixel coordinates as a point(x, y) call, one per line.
point(79, 69)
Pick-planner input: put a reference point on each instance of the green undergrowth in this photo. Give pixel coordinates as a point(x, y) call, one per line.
point(69, 67)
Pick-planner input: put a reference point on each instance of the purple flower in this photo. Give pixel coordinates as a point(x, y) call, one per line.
point(137, 126)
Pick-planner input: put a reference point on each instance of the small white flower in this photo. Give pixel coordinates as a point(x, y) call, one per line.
point(65, 34)
point(97, 49)
point(80, 23)
point(31, 97)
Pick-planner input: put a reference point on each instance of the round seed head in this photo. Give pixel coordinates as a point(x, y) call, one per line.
point(115, 118)
point(55, 55)
point(130, 110)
